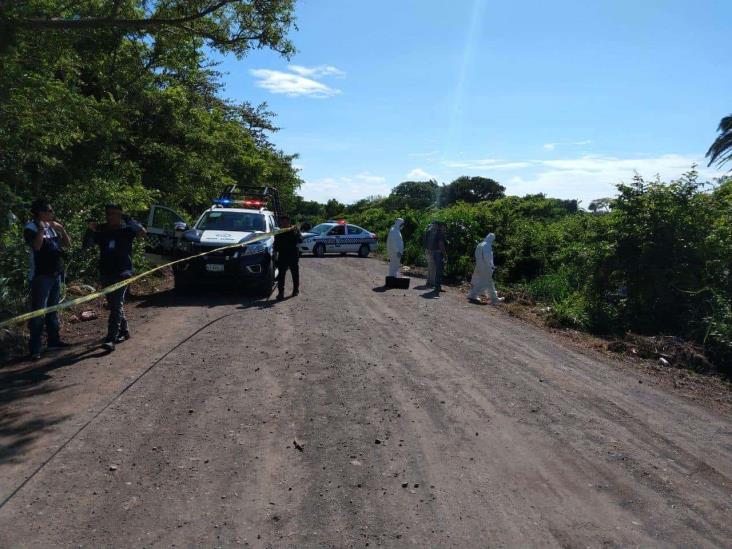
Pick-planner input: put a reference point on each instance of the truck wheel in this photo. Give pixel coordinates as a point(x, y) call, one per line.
point(364, 250)
point(181, 286)
point(264, 289)
point(319, 250)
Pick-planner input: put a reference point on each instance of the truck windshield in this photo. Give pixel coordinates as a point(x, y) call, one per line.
point(231, 221)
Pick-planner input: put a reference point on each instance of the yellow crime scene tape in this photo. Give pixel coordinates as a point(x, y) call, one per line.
point(127, 281)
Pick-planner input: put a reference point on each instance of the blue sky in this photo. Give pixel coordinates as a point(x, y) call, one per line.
point(564, 97)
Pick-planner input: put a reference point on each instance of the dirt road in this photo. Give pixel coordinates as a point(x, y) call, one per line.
point(421, 423)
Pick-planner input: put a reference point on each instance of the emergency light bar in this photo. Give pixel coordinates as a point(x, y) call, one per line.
point(230, 202)
point(250, 197)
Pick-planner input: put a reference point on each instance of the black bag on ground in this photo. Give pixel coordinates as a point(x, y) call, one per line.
point(400, 282)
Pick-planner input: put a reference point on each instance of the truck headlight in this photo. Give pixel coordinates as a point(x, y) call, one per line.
point(256, 248)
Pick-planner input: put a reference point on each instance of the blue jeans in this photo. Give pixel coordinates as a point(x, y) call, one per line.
point(439, 265)
point(45, 292)
point(117, 323)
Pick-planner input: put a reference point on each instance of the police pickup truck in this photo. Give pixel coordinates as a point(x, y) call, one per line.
point(235, 217)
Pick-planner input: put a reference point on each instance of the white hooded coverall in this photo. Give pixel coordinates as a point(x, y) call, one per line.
point(395, 247)
point(482, 280)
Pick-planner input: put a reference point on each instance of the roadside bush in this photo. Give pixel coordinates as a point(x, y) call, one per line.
point(659, 262)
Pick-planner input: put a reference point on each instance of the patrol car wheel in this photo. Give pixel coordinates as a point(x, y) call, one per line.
point(364, 250)
point(319, 250)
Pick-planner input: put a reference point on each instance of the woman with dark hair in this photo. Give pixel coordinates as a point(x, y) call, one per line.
point(46, 238)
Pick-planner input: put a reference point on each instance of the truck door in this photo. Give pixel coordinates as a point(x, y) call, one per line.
point(164, 227)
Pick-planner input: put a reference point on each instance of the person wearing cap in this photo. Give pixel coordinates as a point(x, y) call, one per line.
point(46, 239)
point(115, 239)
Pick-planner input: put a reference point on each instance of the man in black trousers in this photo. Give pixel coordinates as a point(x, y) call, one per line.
point(114, 239)
point(288, 257)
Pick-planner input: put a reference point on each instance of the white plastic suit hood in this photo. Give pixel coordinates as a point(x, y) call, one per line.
point(484, 254)
point(395, 242)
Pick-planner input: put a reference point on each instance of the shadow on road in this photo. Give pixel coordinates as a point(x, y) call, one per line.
point(206, 297)
point(430, 295)
point(17, 429)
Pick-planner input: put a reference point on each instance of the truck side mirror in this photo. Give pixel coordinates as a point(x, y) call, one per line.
point(179, 228)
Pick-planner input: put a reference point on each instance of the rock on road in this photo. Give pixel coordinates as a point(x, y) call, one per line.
point(350, 417)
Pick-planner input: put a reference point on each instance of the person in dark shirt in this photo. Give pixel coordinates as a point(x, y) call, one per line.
point(439, 254)
point(115, 239)
point(288, 257)
point(46, 239)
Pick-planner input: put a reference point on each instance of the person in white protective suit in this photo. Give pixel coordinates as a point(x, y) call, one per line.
point(482, 280)
point(395, 247)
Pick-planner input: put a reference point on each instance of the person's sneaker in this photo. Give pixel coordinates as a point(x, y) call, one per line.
point(108, 345)
point(121, 338)
point(35, 357)
point(58, 346)
point(280, 297)
point(475, 301)
point(295, 293)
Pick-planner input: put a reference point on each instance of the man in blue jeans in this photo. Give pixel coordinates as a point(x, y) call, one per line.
point(46, 239)
point(115, 238)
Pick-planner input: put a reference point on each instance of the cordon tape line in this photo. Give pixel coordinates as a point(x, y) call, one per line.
point(127, 281)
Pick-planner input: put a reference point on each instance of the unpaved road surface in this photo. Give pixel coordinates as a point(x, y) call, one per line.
point(421, 423)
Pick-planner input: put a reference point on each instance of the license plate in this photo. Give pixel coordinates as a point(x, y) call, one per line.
point(215, 267)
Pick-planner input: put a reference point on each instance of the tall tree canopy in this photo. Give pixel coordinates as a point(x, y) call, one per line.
point(230, 26)
point(414, 194)
point(721, 150)
point(471, 190)
point(134, 108)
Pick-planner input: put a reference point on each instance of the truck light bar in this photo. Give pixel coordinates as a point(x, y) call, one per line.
point(230, 202)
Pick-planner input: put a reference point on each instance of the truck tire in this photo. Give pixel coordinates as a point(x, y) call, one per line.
point(181, 286)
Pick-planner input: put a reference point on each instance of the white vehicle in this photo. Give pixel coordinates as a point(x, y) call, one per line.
point(227, 221)
point(338, 238)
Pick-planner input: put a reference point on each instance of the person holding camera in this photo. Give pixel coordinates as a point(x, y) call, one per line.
point(46, 238)
point(115, 238)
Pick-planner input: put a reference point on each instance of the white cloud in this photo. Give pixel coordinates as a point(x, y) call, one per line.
point(318, 71)
point(552, 146)
point(485, 165)
point(428, 154)
point(594, 176)
point(418, 174)
point(346, 189)
point(302, 81)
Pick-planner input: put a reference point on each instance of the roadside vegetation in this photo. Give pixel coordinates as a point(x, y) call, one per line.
point(120, 101)
point(656, 259)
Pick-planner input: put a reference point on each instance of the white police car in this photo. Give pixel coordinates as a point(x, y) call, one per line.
point(338, 238)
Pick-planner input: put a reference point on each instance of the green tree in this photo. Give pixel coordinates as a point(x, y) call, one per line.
point(229, 26)
point(414, 194)
point(471, 190)
point(721, 150)
point(333, 208)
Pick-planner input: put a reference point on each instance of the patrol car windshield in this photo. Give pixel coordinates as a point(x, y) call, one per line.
point(322, 228)
point(231, 221)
